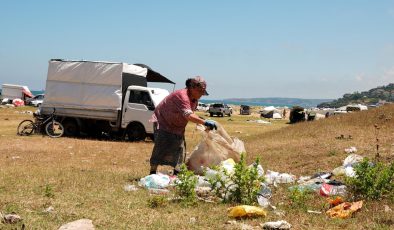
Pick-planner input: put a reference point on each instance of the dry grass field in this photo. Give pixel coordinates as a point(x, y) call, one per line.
point(85, 178)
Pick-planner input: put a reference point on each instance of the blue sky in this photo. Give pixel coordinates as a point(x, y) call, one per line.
point(302, 49)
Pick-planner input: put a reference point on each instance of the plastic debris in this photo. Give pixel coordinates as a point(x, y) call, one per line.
point(272, 177)
point(264, 195)
point(352, 159)
point(246, 211)
point(314, 212)
point(130, 187)
point(331, 190)
point(335, 201)
point(280, 224)
point(344, 210)
point(155, 181)
point(11, 218)
point(351, 150)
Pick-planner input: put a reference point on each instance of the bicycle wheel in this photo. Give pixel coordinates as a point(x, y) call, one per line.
point(25, 128)
point(54, 129)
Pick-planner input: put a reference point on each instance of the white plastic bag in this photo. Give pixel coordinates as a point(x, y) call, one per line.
point(214, 147)
point(155, 181)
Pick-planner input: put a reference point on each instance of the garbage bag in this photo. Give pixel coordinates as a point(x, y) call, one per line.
point(280, 224)
point(155, 181)
point(246, 211)
point(344, 210)
point(214, 147)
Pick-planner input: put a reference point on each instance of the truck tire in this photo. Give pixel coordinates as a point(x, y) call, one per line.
point(211, 114)
point(71, 127)
point(136, 132)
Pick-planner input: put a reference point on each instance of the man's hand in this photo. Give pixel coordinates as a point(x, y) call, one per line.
point(210, 124)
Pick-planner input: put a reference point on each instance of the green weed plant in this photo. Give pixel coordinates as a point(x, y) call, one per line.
point(241, 187)
point(372, 181)
point(185, 186)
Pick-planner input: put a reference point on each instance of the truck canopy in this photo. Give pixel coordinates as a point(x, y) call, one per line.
point(11, 91)
point(94, 85)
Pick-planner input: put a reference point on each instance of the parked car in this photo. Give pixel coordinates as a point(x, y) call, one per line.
point(220, 109)
point(244, 110)
point(36, 100)
point(202, 107)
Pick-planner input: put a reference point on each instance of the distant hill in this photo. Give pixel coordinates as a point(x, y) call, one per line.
point(371, 97)
point(277, 101)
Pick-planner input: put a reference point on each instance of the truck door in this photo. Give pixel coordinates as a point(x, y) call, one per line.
point(138, 107)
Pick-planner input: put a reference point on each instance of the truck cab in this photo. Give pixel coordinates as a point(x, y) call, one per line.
point(138, 107)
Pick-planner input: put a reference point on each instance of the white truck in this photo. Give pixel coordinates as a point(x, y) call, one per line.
point(10, 92)
point(98, 98)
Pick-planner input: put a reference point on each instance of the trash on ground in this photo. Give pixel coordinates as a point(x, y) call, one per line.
point(332, 190)
point(11, 218)
point(344, 210)
point(130, 187)
point(214, 147)
point(314, 212)
point(50, 209)
point(351, 150)
point(264, 195)
point(334, 201)
point(246, 211)
point(272, 177)
point(155, 181)
point(280, 224)
point(352, 159)
point(259, 121)
point(84, 224)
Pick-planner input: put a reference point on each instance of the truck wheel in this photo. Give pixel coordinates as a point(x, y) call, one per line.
point(136, 132)
point(71, 128)
point(222, 114)
point(211, 114)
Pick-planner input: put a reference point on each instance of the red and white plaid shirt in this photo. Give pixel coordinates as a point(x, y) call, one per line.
point(172, 112)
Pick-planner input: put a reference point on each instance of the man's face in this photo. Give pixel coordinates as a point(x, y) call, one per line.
point(197, 92)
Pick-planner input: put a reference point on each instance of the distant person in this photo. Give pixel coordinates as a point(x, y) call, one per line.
point(171, 117)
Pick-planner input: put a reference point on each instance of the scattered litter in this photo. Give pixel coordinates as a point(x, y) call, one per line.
point(335, 201)
point(331, 190)
point(11, 218)
point(323, 175)
point(264, 195)
point(130, 187)
point(344, 210)
point(351, 150)
point(84, 224)
point(314, 212)
point(352, 159)
point(192, 220)
point(246, 211)
point(280, 224)
point(50, 209)
point(15, 157)
point(259, 121)
point(387, 208)
point(155, 181)
point(272, 177)
point(280, 213)
point(233, 224)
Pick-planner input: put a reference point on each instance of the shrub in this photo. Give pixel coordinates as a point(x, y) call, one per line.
point(299, 198)
point(372, 180)
point(185, 185)
point(240, 187)
point(157, 201)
